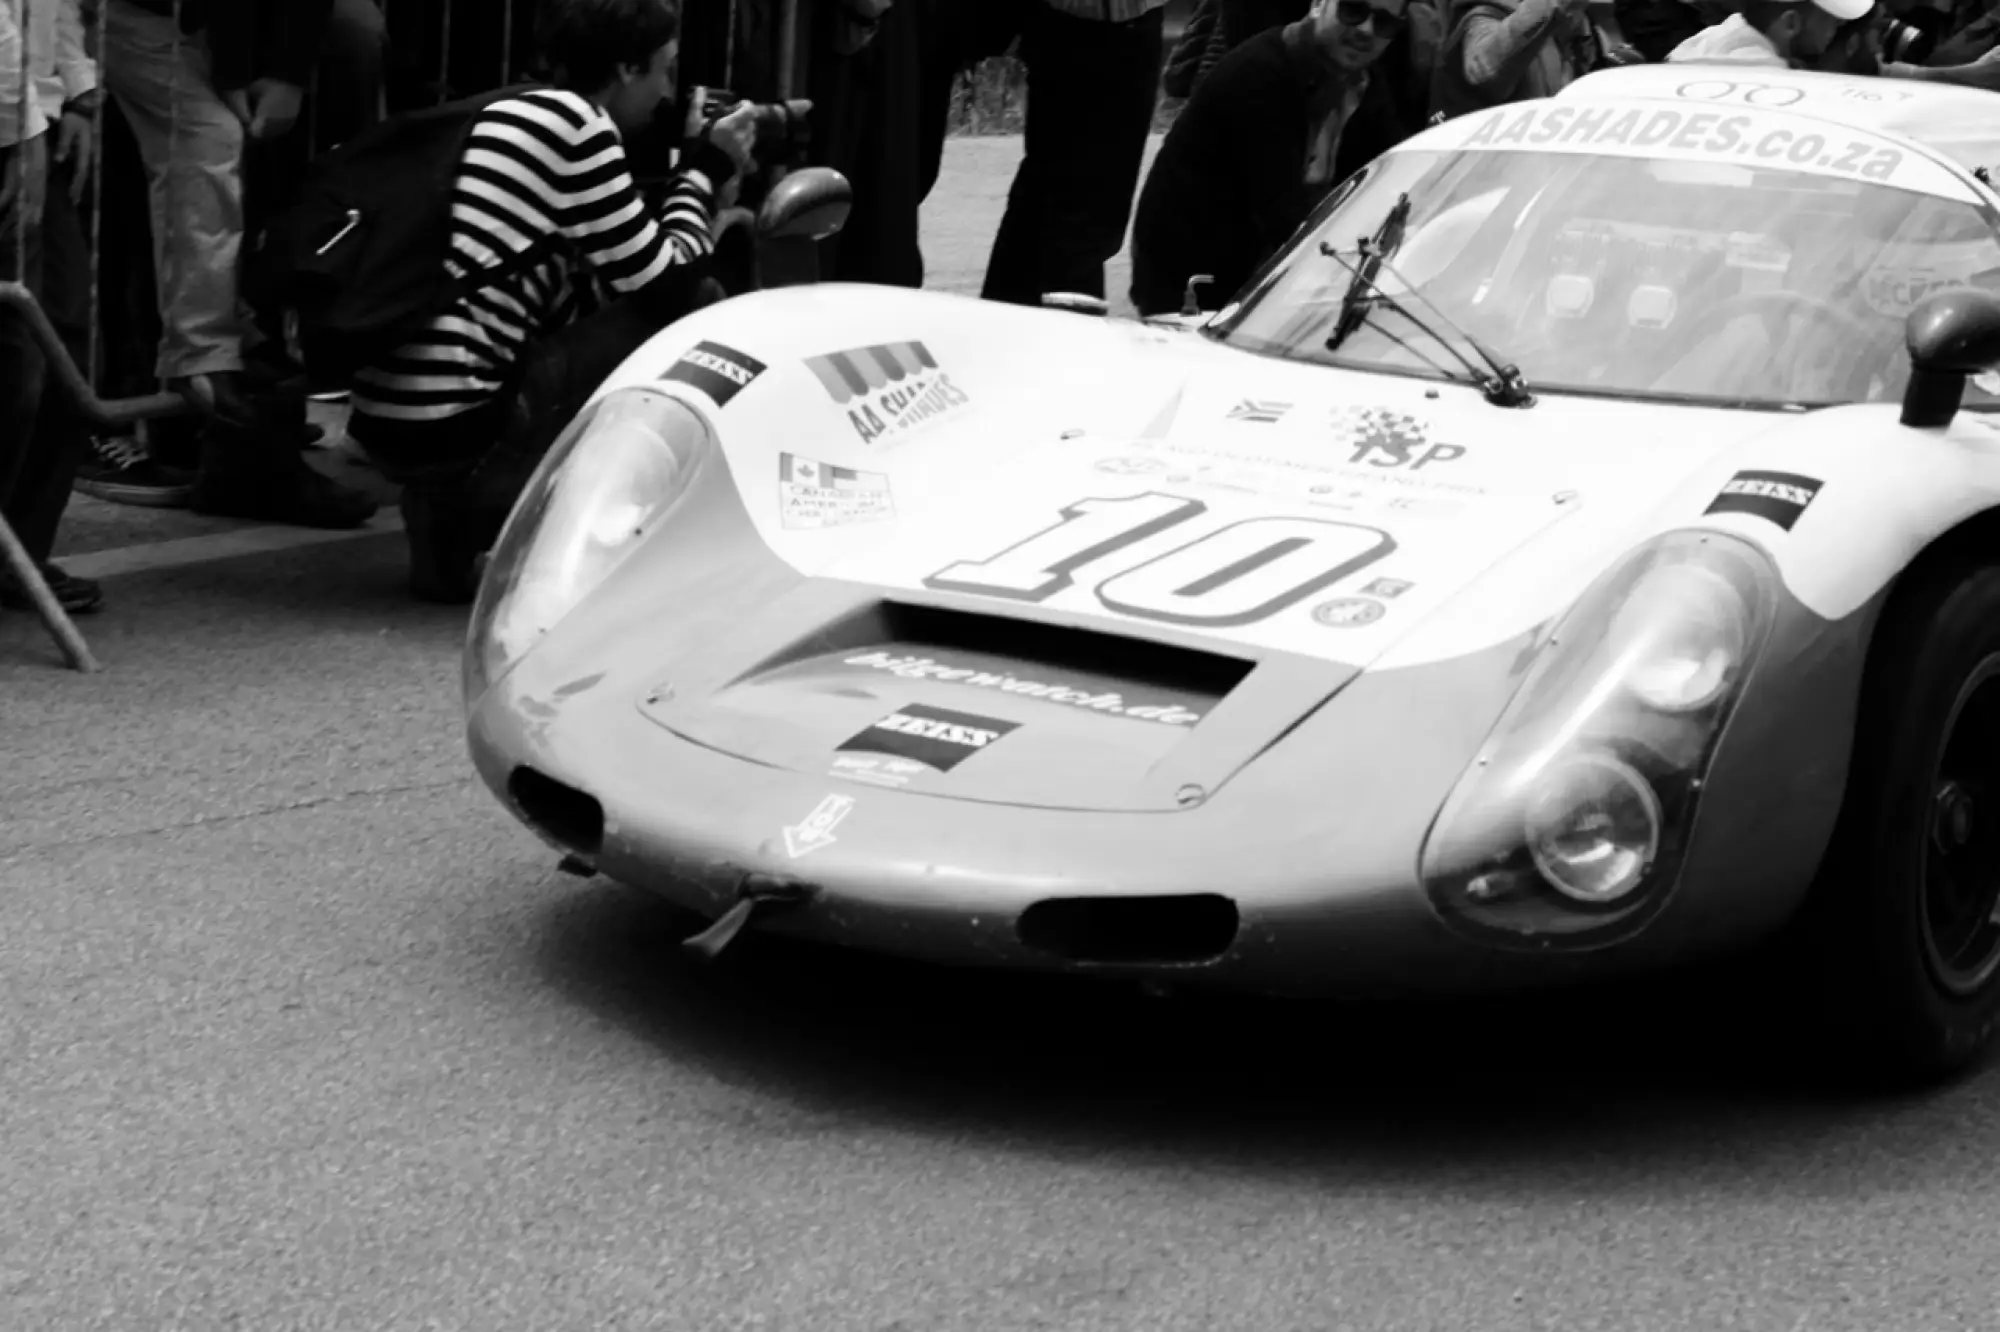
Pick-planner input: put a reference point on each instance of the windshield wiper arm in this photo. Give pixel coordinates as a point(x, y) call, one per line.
point(1374, 251)
point(1507, 388)
point(1501, 383)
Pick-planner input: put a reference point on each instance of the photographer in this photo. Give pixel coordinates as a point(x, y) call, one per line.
point(462, 416)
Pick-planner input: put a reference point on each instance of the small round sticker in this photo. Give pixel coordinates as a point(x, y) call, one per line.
point(1347, 612)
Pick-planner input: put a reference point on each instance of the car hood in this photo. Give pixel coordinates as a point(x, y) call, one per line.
point(1106, 566)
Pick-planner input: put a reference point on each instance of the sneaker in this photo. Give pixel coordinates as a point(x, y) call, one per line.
point(121, 471)
point(77, 596)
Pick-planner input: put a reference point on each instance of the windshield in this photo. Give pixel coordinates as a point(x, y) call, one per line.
point(1694, 277)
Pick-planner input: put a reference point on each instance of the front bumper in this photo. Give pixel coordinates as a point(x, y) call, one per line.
point(1306, 863)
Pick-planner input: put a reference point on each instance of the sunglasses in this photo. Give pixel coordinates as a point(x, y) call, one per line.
point(1361, 14)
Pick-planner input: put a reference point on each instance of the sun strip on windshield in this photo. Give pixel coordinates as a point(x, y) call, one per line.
point(1773, 140)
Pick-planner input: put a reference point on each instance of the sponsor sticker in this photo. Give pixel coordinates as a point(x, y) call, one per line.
point(877, 769)
point(815, 830)
point(935, 737)
point(1386, 587)
point(912, 667)
point(1259, 410)
point(1379, 437)
point(887, 390)
point(1130, 465)
point(814, 495)
point(1348, 612)
point(1719, 121)
point(1776, 497)
point(720, 372)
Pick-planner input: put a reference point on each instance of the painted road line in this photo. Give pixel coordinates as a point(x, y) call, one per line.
point(184, 551)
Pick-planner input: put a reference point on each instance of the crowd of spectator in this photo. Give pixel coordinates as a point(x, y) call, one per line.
point(163, 135)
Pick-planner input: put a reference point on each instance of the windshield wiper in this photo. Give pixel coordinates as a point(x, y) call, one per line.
point(1374, 252)
point(1500, 382)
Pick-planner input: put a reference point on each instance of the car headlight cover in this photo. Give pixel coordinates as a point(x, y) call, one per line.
point(1570, 824)
point(603, 488)
point(1680, 636)
point(1593, 828)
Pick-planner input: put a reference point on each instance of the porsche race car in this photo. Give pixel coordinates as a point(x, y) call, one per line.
point(1576, 554)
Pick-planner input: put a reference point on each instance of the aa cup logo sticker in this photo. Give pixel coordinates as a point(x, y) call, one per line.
point(888, 390)
point(814, 495)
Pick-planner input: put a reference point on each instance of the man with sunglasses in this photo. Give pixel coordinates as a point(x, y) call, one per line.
point(1266, 134)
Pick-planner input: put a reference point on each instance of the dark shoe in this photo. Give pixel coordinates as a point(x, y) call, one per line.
point(446, 549)
point(77, 596)
point(269, 481)
point(221, 397)
point(122, 471)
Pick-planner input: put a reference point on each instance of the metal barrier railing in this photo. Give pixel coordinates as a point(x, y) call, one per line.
point(31, 31)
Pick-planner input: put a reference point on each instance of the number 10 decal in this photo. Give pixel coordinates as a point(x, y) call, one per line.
point(1234, 575)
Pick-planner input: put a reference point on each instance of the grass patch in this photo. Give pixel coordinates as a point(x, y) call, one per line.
point(991, 98)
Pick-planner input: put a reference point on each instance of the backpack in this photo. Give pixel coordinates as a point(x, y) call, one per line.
point(356, 264)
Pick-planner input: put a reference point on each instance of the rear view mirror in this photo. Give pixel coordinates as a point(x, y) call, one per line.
point(1950, 336)
point(808, 204)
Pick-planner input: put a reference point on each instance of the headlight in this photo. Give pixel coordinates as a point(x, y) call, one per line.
point(1681, 637)
point(1593, 828)
point(603, 488)
point(1570, 825)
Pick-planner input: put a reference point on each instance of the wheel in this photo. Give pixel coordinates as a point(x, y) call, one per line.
point(1903, 931)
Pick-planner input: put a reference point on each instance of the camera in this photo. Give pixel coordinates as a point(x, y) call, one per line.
point(784, 131)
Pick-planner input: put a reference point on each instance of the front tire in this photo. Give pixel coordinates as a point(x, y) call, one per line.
point(1903, 931)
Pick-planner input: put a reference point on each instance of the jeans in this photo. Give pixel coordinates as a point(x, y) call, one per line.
point(1092, 88)
point(192, 146)
point(43, 438)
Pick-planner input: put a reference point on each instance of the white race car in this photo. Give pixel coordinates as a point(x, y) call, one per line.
point(1576, 553)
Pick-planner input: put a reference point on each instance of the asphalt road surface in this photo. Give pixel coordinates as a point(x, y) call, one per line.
point(301, 1032)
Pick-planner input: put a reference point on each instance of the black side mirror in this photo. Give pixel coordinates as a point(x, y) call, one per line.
point(809, 204)
point(1950, 336)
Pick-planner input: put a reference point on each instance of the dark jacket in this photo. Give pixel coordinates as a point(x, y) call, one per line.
point(1568, 45)
point(1655, 27)
point(1228, 186)
point(254, 39)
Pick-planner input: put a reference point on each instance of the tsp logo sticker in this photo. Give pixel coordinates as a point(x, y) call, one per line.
point(936, 737)
point(1380, 437)
point(720, 372)
point(1776, 497)
point(1348, 612)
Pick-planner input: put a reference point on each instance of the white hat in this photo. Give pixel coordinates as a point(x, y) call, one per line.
point(1846, 10)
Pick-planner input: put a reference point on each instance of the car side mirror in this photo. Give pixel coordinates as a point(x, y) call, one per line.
point(1076, 301)
point(1950, 336)
point(811, 203)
